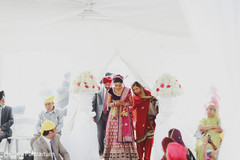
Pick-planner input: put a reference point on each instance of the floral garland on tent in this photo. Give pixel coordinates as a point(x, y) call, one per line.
point(85, 82)
point(167, 86)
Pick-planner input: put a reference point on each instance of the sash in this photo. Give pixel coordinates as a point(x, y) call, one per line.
point(124, 122)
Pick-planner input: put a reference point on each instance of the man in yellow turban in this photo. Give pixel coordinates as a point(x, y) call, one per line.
point(49, 100)
point(49, 113)
point(48, 145)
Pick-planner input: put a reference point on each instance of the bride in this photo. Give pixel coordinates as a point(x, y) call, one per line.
point(79, 133)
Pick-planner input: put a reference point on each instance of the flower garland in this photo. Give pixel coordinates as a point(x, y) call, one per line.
point(85, 82)
point(167, 86)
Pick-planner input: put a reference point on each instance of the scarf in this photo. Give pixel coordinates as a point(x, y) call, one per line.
point(124, 121)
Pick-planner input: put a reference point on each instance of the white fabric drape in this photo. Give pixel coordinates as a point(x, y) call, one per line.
point(160, 16)
point(80, 132)
point(215, 27)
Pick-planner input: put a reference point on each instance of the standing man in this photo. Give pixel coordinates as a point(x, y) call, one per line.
point(6, 118)
point(99, 106)
point(48, 145)
point(49, 113)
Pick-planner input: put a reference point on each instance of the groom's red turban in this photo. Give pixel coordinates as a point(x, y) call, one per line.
point(107, 79)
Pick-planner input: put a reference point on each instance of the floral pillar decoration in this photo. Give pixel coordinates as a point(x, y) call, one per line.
point(85, 83)
point(82, 90)
point(166, 89)
point(167, 86)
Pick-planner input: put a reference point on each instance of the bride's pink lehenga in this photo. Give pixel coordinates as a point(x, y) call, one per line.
point(119, 139)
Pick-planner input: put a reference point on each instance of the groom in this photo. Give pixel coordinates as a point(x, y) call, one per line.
point(99, 106)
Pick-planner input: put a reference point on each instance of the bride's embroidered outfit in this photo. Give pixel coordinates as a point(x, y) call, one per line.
point(119, 140)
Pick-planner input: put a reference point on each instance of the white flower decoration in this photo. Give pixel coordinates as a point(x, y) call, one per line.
point(85, 82)
point(167, 86)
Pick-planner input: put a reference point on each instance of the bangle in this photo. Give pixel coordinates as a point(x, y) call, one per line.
point(204, 143)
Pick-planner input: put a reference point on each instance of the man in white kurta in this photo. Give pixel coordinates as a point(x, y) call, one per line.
point(49, 113)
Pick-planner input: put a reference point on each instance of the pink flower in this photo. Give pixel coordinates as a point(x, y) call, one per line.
point(177, 80)
point(93, 86)
point(168, 86)
point(157, 89)
point(162, 85)
point(180, 86)
point(86, 86)
point(91, 76)
point(78, 83)
point(99, 88)
point(85, 82)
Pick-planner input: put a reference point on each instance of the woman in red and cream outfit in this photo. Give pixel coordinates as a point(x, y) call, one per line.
point(119, 140)
point(144, 125)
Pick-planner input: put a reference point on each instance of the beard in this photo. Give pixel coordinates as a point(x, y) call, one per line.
point(107, 88)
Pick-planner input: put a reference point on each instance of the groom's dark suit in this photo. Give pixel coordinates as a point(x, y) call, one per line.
point(100, 118)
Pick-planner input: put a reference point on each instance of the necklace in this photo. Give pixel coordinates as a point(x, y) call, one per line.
point(117, 92)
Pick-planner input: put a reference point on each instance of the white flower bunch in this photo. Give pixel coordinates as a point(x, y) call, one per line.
point(85, 82)
point(167, 86)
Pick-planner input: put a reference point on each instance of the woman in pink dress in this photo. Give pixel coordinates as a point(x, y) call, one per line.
point(119, 140)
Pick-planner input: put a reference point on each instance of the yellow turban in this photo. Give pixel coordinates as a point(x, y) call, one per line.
point(49, 100)
point(47, 126)
point(221, 135)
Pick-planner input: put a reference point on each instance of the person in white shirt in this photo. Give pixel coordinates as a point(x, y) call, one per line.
point(49, 113)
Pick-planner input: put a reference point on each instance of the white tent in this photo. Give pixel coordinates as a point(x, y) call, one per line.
point(197, 41)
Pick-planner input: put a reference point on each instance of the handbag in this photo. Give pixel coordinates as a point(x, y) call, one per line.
point(190, 155)
point(153, 108)
point(28, 156)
